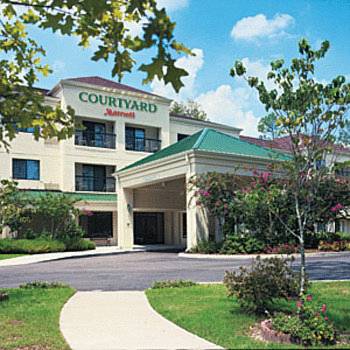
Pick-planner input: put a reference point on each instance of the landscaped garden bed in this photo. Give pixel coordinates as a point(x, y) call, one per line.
point(29, 317)
point(244, 243)
point(207, 311)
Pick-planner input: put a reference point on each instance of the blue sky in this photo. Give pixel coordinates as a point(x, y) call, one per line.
point(221, 31)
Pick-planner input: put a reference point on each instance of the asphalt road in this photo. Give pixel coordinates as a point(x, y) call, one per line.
point(137, 271)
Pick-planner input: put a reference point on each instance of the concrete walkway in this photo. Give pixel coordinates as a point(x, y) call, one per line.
point(109, 250)
point(35, 258)
point(121, 320)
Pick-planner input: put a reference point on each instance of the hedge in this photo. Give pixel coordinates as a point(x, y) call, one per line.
point(37, 246)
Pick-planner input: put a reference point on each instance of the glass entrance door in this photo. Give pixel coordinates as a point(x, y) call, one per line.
point(148, 228)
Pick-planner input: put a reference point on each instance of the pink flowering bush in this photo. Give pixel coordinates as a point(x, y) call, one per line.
point(337, 208)
point(308, 326)
point(286, 248)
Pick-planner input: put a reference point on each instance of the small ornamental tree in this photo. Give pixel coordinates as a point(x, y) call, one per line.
point(108, 23)
point(13, 207)
point(60, 216)
point(312, 114)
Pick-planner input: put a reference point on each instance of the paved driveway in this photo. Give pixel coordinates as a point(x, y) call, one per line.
point(137, 271)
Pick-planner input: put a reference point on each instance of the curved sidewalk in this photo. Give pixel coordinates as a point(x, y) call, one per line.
point(121, 320)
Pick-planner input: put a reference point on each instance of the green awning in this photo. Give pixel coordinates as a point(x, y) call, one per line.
point(90, 197)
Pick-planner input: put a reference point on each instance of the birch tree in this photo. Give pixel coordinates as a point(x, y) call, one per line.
point(313, 115)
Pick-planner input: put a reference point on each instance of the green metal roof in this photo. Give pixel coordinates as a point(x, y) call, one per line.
point(211, 140)
point(90, 197)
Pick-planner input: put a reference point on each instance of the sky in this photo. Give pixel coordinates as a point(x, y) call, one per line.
point(220, 32)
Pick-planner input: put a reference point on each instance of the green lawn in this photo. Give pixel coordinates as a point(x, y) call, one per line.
point(30, 319)
point(9, 256)
point(206, 311)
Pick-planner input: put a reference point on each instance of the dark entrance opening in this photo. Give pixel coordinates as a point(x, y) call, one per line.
point(149, 228)
point(97, 224)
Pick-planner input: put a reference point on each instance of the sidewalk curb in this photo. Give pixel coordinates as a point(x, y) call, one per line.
point(253, 256)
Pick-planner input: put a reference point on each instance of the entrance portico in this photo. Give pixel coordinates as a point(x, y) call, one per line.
point(159, 182)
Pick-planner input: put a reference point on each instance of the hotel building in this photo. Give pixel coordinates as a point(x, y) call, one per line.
point(129, 164)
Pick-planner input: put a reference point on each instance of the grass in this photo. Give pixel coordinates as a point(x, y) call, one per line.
point(9, 256)
point(30, 319)
point(206, 311)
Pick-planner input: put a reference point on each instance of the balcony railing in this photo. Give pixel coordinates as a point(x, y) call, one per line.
point(142, 144)
point(94, 184)
point(92, 139)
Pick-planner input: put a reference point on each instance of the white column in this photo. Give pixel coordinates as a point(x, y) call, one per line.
point(197, 221)
point(120, 132)
point(125, 218)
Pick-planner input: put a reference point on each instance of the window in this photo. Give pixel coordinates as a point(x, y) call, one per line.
point(94, 135)
point(135, 139)
point(181, 136)
point(94, 178)
point(97, 224)
point(25, 169)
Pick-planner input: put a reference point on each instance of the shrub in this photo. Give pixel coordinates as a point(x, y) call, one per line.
point(258, 287)
point(338, 246)
point(313, 240)
point(30, 246)
point(42, 285)
point(42, 245)
point(79, 245)
point(206, 247)
point(173, 284)
point(309, 326)
point(286, 248)
point(241, 244)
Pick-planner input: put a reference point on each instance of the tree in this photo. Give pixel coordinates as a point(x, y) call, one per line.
point(13, 206)
point(312, 114)
point(267, 126)
point(105, 21)
point(191, 109)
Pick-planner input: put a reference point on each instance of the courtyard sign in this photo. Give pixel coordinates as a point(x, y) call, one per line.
point(117, 102)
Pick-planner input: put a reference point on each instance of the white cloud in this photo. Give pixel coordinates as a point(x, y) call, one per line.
point(231, 107)
point(172, 5)
point(192, 64)
point(239, 105)
point(257, 27)
point(235, 105)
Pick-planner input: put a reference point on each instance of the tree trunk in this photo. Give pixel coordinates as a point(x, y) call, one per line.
point(302, 247)
point(302, 265)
